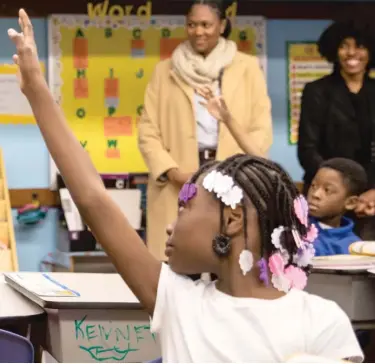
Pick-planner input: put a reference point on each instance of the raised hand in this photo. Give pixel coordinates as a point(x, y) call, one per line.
point(29, 70)
point(215, 105)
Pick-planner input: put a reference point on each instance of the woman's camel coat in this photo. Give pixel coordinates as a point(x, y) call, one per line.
point(168, 137)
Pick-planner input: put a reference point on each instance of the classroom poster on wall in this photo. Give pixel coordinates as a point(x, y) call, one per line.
point(14, 107)
point(304, 65)
point(98, 72)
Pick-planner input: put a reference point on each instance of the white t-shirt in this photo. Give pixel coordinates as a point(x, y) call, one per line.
point(198, 323)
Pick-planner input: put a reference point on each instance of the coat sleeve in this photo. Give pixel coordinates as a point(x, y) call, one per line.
point(261, 123)
point(312, 114)
point(150, 142)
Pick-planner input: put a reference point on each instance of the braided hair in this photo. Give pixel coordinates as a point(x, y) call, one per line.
point(271, 191)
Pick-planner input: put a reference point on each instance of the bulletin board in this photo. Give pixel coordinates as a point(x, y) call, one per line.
point(98, 72)
point(304, 64)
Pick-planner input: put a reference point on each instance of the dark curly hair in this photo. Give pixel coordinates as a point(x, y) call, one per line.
point(271, 190)
point(359, 28)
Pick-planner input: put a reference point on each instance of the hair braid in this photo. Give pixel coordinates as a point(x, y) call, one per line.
point(271, 191)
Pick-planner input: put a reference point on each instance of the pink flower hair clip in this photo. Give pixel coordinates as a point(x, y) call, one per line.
point(301, 209)
point(312, 234)
point(296, 276)
point(283, 278)
point(278, 279)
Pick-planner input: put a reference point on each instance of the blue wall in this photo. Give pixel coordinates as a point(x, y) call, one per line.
point(26, 160)
point(26, 157)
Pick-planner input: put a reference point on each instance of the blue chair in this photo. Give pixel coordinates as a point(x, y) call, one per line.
point(158, 360)
point(15, 348)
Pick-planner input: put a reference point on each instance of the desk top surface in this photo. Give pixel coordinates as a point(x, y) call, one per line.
point(14, 305)
point(96, 290)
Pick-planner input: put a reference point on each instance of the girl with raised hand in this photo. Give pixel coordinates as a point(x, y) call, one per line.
point(241, 219)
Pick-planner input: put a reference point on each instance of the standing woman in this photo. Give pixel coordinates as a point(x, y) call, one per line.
point(338, 111)
point(207, 102)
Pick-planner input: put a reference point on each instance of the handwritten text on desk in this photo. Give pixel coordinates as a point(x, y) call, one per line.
point(111, 341)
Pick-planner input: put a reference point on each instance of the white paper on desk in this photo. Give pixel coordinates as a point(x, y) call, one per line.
point(71, 213)
point(343, 262)
point(41, 284)
point(129, 202)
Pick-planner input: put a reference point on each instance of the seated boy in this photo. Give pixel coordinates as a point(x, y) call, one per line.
point(333, 192)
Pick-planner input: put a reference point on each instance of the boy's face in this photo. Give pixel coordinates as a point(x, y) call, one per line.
point(328, 195)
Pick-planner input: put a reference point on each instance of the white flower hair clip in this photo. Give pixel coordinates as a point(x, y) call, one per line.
point(224, 188)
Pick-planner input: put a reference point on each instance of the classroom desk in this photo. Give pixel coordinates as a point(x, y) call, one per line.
point(14, 306)
point(106, 323)
point(20, 315)
point(354, 292)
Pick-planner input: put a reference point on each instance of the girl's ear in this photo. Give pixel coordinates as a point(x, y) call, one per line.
point(233, 221)
point(351, 203)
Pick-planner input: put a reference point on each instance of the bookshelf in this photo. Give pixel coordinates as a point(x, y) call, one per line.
point(8, 251)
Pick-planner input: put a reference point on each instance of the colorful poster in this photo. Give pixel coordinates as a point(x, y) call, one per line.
point(304, 65)
point(98, 72)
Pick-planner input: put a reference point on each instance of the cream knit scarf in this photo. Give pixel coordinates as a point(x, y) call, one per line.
point(198, 71)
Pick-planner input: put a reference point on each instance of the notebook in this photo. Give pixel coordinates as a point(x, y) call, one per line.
point(41, 284)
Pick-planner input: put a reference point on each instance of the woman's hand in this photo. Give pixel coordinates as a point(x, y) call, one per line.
point(366, 204)
point(29, 70)
point(215, 105)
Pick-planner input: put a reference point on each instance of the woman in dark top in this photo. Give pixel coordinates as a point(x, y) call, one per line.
point(338, 111)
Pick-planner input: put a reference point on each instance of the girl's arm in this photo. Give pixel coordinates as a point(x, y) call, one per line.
point(243, 140)
point(136, 265)
point(256, 139)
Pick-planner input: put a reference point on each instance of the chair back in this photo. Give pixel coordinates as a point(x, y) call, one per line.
point(15, 348)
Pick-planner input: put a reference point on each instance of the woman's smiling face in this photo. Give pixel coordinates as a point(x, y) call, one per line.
point(353, 57)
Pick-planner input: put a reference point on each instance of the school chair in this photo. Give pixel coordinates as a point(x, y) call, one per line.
point(15, 348)
point(158, 360)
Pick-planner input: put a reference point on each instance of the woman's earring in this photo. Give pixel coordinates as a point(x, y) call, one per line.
point(221, 245)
